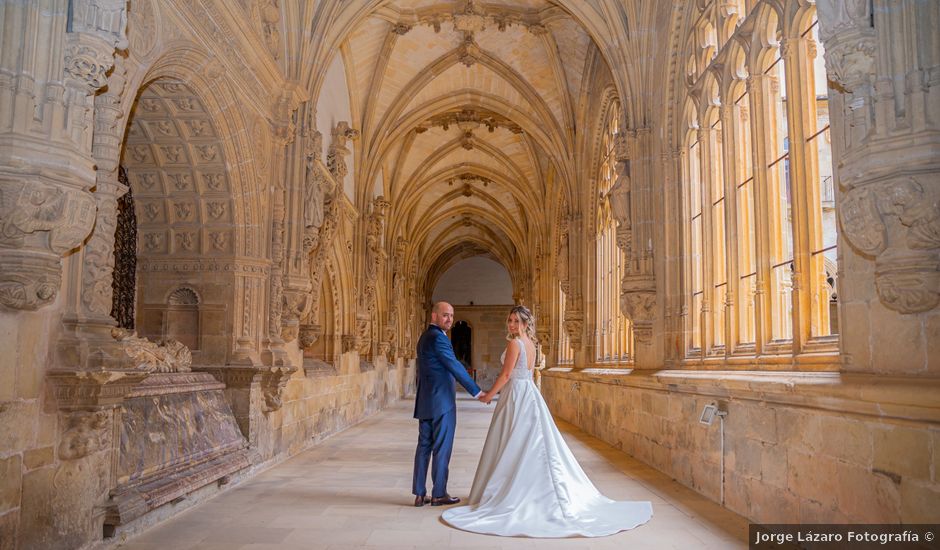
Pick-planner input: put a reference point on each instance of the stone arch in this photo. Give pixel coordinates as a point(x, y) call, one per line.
point(735, 73)
point(178, 167)
point(609, 101)
point(243, 143)
point(765, 40)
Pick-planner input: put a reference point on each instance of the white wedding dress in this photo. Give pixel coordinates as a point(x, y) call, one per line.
point(528, 483)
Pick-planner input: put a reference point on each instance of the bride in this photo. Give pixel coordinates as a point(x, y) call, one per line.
point(528, 483)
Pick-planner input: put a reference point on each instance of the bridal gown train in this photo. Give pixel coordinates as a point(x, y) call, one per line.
point(529, 484)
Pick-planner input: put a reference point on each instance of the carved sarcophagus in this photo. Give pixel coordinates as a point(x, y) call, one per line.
point(178, 434)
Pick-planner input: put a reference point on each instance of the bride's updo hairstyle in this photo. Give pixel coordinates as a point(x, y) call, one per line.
point(527, 319)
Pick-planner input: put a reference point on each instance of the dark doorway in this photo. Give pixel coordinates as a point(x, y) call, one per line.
point(462, 339)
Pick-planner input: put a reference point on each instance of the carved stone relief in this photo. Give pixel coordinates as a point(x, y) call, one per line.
point(84, 433)
point(147, 356)
point(897, 222)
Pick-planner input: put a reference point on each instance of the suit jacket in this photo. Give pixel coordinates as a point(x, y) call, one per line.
point(438, 369)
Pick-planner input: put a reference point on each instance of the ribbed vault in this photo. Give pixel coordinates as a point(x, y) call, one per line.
point(469, 115)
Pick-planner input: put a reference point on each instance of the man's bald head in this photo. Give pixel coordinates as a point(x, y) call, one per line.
point(442, 315)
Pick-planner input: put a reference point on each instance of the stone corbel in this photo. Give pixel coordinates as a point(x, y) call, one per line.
point(898, 223)
point(350, 343)
point(364, 334)
point(638, 302)
point(273, 382)
point(383, 349)
point(846, 31)
point(40, 222)
point(270, 381)
point(544, 335)
point(308, 335)
point(574, 326)
point(296, 298)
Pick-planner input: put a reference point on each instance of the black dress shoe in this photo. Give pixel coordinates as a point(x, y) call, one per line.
point(445, 500)
point(421, 500)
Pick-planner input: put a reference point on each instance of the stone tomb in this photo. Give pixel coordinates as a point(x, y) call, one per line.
point(177, 434)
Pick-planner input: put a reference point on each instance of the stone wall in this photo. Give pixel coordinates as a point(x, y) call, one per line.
point(808, 449)
point(317, 404)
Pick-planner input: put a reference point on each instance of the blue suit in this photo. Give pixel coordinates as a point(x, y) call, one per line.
point(436, 408)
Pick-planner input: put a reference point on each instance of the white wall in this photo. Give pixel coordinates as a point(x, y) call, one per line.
point(333, 107)
point(478, 280)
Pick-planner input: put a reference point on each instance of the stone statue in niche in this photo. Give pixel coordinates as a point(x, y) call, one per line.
point(561, 258)
point(619, 196)
point(314, 192)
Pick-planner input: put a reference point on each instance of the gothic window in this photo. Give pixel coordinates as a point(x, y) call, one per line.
point(612, 332)
point(744, 266)
point(821, 187)
point(760, 245)
point(780, 195)
point(565, 353)
point(695, 256)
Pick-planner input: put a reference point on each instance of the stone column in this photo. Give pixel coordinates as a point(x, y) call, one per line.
point(304, 207)
point(759, 91)
point(882, 67)
point(632, 207)
point(798, 54)
point(86, 342)
point(46, 128)
point(274, 353)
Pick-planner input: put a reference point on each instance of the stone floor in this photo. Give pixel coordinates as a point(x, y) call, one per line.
point(354, 491)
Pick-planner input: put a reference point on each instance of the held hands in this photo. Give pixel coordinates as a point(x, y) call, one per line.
point(485, 398)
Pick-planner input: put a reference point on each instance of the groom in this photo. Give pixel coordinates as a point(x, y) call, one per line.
point(436, 406)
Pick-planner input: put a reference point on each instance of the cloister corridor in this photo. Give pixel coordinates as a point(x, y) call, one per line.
point(353, 491)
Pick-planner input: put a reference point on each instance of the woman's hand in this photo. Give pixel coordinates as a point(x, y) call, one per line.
point(487, 397)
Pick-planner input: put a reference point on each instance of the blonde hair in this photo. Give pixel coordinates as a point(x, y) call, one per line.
point(527, 319)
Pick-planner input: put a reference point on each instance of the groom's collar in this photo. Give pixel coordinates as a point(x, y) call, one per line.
point(437, 327)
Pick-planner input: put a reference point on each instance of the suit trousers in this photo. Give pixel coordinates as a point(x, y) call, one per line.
point(435, 438)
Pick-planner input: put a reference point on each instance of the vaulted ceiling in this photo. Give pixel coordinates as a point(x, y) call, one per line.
point(471, 115)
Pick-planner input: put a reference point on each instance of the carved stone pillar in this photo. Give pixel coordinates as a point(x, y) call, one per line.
point(373, 264)
point(885, 156)
point(632, 211)
point(46, 165)
point(87, 341)
point(291, 96)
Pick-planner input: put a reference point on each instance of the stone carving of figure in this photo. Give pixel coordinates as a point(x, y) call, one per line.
point(619, 196)
point(313, 181)
point(561, 259)
point(313, 200)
